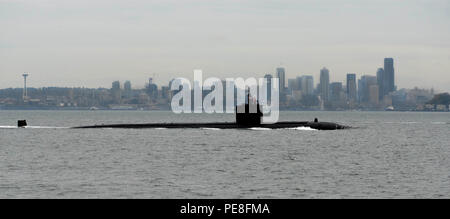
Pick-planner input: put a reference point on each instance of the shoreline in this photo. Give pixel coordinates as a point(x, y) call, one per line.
point(168, 110)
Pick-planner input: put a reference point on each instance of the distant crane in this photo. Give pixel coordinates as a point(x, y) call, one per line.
point(25, 93)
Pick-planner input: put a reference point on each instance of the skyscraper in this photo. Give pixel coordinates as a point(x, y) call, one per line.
point(269, 77)
point(116, 92)
point(127, 89)
point(381, 80)
point(325, 84)
point(127, 86)
point(116, 85)
point(351, 87)
point(389, 74)
point(281, 74)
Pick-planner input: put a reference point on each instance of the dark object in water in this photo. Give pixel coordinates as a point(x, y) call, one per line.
point(22, 123)
point(316, 120)
point(279, 125)
point(248, 115)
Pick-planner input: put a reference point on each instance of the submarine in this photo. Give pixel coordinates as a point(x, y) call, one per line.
point(244, 120)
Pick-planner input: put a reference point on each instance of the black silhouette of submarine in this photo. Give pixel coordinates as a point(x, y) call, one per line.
point(244, 120)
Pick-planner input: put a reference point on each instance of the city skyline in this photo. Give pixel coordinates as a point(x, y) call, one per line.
point(368, 92)
point(88, 44)
point(141, 83)
point(386, 85)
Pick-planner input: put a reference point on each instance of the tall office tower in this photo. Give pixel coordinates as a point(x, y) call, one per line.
point(351, 87)
point(364, 87)
point(335, 91)
point(381, 83)
point(389, 74)
point(127, 89)
point(281, 74)
point(116, 85)
point(325, 84)
point(307, 85)
point(116, 92)
point(127, 86)
point(269, 77)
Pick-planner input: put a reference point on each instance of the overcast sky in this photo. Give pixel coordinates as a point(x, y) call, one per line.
point(89, 43)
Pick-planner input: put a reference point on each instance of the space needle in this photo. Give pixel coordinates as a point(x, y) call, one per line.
point(25, 93)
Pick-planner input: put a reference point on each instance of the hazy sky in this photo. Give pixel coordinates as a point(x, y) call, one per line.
point(90, 43)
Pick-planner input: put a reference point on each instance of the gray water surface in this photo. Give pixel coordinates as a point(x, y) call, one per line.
point(388, 155)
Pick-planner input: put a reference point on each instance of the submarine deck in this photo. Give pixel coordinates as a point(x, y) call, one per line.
point(279, 125)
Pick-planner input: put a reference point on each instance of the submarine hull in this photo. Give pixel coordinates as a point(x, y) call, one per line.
point(279, 125)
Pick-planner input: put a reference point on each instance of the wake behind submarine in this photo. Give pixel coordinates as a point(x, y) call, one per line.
point(244, 120)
